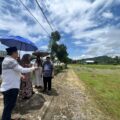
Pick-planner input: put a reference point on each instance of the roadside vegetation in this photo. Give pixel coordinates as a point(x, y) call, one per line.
point(103, 83)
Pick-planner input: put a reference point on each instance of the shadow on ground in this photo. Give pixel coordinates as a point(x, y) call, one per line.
point(53, 92)
point(26, 106)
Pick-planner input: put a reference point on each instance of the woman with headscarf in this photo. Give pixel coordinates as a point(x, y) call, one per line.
point(38, 73)
point(26, 89)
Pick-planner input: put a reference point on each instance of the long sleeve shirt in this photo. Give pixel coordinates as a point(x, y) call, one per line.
point(11, 73)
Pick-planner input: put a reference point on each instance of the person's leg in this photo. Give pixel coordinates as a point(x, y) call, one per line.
point(45, 83)
point(10, 98)
point(49, 83)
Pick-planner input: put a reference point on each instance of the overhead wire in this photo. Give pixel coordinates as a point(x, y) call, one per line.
point(46, 9)
point(44, 15)
point(34, 17)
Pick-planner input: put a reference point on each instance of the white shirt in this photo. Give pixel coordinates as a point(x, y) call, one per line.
point(11, 73)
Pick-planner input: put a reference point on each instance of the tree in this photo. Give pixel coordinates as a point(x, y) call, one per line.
point(62, 54)
point(116, 60)
point(59, 51)
point(55, 36)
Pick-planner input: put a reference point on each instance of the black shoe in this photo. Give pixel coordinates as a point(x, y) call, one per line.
point(33, 92)
point(49, 92)
point(44, 91)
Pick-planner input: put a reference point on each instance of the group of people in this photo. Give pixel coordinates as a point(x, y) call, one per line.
point(17, 80)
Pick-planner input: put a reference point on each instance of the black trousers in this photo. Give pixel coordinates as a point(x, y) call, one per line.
point(47, 83)
point(10, 98)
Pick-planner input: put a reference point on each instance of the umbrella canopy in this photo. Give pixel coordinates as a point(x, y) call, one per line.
point(41, 53)
point(19, 42)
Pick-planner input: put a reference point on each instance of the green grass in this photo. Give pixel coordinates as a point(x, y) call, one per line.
point(103, 83)
point(99, 66)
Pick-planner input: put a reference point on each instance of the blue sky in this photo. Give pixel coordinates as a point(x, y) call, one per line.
point(88, 28)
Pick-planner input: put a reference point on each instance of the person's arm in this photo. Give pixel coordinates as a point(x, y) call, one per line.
point(20, 69)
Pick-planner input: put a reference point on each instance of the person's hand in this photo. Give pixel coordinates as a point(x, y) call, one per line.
point(34, 68)
point(22, 77)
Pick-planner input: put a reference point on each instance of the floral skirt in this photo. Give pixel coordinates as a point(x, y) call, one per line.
point(26, 89)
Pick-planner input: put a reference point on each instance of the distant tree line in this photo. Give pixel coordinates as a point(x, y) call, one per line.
point(100, 60)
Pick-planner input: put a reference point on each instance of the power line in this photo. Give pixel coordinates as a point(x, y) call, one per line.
point(44, 15)
point(46, 9)
point(34, 17)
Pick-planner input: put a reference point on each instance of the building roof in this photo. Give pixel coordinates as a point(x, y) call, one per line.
point(89, 61)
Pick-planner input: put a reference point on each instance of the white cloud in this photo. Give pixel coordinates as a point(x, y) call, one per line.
point(106, 43)
point(70, 17)
point(44, 47)
point(108, 15)
point(77, 42)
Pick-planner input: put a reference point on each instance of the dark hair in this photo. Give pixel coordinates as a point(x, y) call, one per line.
point(11, 50)
point(38, 61)
point(47, 57)
point(10, 53)
point(25, 59)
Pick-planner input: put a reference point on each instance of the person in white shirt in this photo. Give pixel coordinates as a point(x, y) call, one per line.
point(11, 75)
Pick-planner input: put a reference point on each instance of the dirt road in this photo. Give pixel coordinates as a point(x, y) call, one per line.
point(73, 102)
point(69, 101)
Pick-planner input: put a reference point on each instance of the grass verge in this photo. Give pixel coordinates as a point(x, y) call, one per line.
point(103, 83)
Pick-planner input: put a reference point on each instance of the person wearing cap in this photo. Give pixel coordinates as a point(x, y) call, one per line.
point(48, 72)
point(11, 75)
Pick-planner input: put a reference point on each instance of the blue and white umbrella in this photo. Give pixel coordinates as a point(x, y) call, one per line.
point(19, 42)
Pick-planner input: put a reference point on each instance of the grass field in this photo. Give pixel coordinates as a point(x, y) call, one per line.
point(103, 83)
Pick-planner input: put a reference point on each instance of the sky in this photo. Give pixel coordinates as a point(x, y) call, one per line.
point(88, 28)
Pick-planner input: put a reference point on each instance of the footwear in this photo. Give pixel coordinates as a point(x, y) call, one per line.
point(36, 87)
point(40, 87)
point(49, 92)
point(33, 92)
point(44, 91)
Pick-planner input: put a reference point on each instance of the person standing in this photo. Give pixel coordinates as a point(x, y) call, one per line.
point(11, 74)
point(26, 89)
point(47, 75)
point(38, 73)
